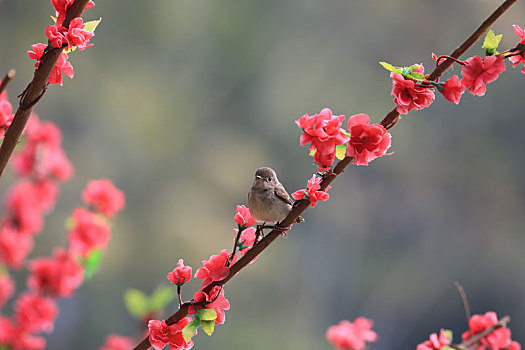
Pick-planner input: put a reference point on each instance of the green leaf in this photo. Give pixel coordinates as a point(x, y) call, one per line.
point(53, 18)
point(191, 328)
point(448, 334)
point(207, 315)
point(136, 302)
point(446, 347)
point(391, 68)
point(491, 42)
point(340, 151)
point(92, 25)
point(208, 326)
point(312, 152)
point(416, 76)
point(91, 263)
point(161, 297)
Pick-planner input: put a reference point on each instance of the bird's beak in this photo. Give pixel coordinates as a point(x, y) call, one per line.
point(258, 178)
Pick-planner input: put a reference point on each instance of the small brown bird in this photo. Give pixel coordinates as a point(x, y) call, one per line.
point(268, 200)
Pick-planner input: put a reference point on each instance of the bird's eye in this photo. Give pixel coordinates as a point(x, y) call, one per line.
point(270, 178)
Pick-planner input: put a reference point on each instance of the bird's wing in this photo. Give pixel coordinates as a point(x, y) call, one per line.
point(281, 193)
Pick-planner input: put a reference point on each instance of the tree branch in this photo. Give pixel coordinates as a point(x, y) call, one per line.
point(35, 90)
point(476, 338)
point(9, 75)
point(328, 178)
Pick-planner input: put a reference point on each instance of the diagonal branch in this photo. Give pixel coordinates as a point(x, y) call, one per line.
point(328, 178)
point(35, 90)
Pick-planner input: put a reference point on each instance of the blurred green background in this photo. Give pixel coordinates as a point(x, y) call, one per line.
point(180, 101)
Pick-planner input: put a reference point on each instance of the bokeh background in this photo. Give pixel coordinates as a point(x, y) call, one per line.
point(180, 101)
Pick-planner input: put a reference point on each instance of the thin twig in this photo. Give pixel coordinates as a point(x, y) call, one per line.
point(35, 90)
point(9, 75)
point(303, 204)
point(463, 299)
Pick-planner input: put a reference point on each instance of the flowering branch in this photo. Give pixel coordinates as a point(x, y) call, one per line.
point(327, 178)
point(393, 116)
point(477, 338)
point(35, 90)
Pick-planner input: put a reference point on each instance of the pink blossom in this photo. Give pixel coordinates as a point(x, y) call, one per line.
point(323, 132)
point(14, 246)
point(6, 111)
point(213, 269)
point(219, 304)
point(160, 334)
point(477, 72)
point(497, 339)
point(62, 65)
point(7, 288)
point(408, 95)
point(367, 142)
point(435, 342)
point(243, 217)
point(56, 276)
point(104, 197)
point(453, 89)
point(312, 192)
point(35, 313)
point(56, 35)
point(181, 274)
point(61, 7)
point(89, 232)
point(117, 342)
point(519, 53)
point(351, 335)
point(77, 36)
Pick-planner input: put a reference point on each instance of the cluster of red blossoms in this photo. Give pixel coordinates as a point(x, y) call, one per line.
point(40, 163)
point(363, 141)
point(412, 91)
point(75, 36)
point(497, 339)
point(216, 268)
point(348, 335)
point(312, 192)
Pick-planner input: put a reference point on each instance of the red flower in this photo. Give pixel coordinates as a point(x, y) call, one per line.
point(453, 89)
point(35, 313)
point(62, 65)
point(117, 342)
point(408, 95)
point(56, 276)
point(61, 7)
point(213, 269)
point(243, 217)
point(14, 246)
point(77, 36)
point(497, 339)
point(351, 336)
point(181, 274)
point(56, 35)
point(478, 72)
point(219, 304)
point(89, 232)
point(7, 288)
point(312, 192)
point(323, 132)
point(519, 54)
point(160, 334)
point(104, 197)
point(367, 142)
point(435, 342)
point(6, 111)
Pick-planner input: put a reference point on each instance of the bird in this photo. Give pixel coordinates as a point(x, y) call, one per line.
point(268, 200)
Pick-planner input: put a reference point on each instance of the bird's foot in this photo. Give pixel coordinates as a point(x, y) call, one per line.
point(282, 229)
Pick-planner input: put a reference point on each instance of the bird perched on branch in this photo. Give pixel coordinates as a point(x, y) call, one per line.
point(268, 200)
